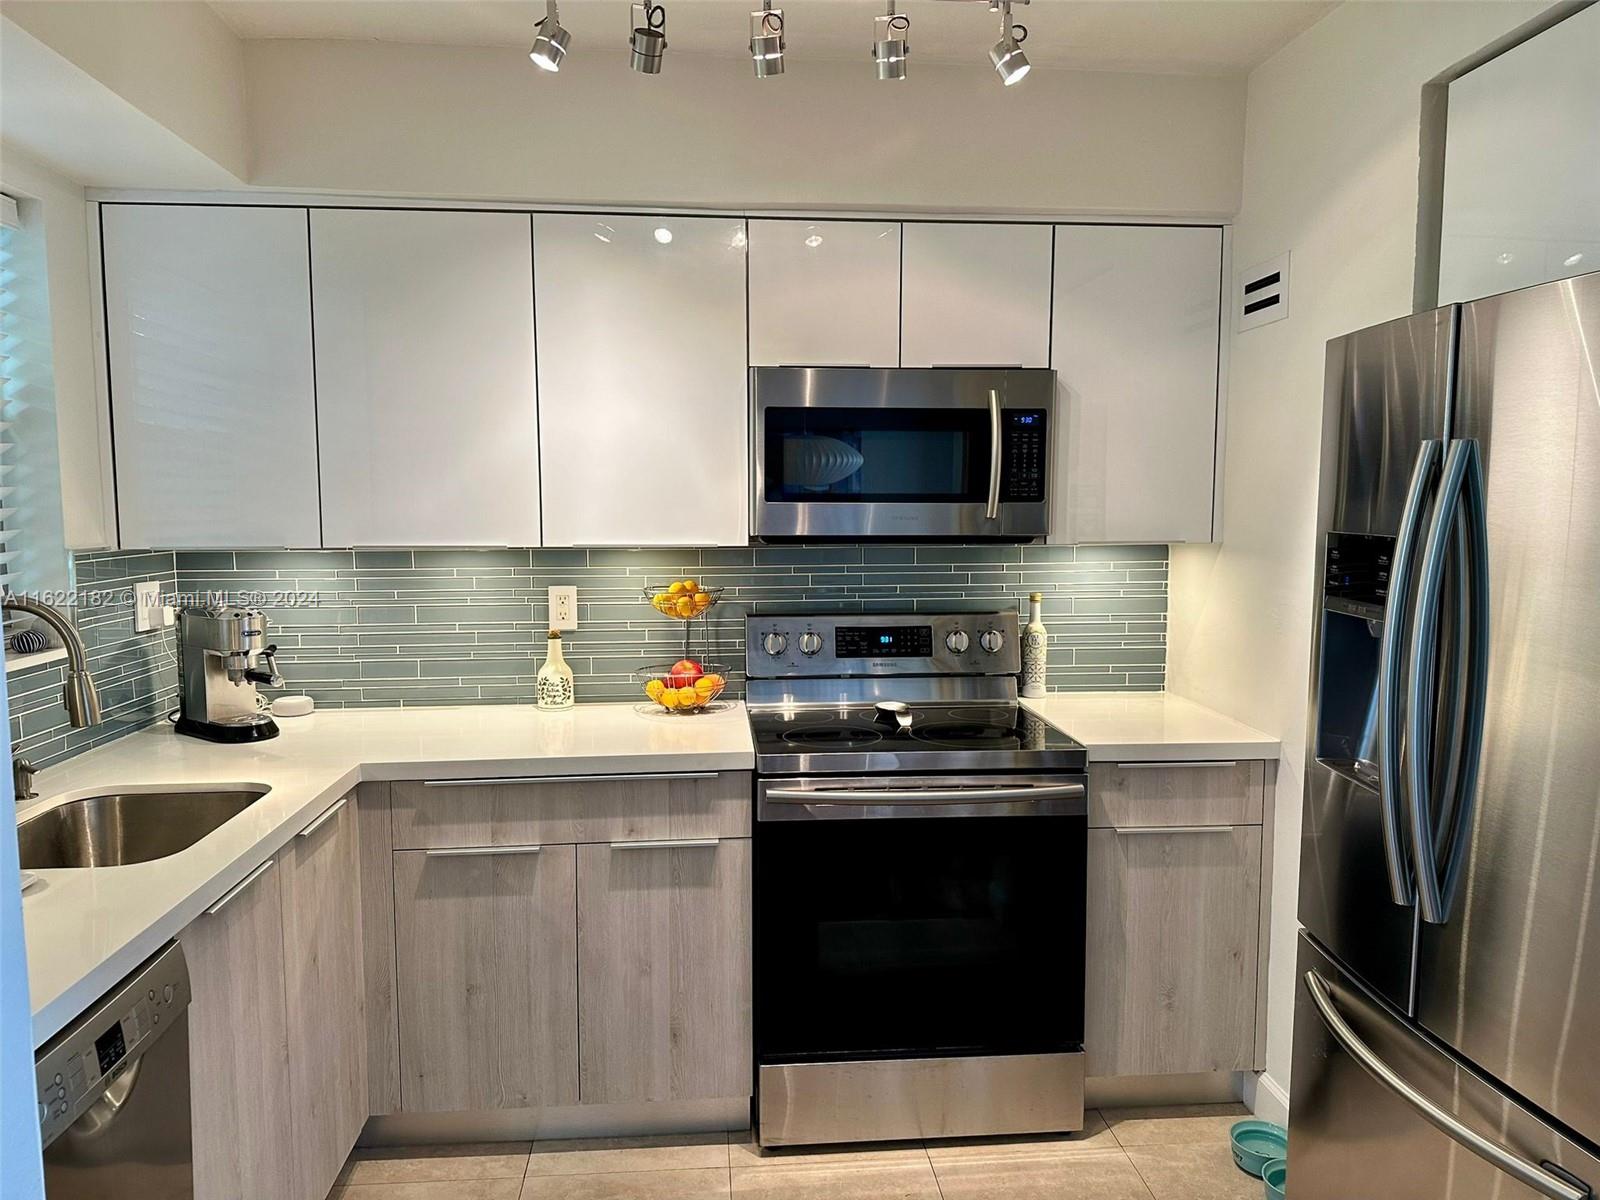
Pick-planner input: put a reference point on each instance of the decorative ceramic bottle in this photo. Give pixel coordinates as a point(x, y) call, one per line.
point(553, 685)
point(1034, 639)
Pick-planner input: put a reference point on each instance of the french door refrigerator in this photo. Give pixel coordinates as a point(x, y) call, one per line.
point(1447, 1017)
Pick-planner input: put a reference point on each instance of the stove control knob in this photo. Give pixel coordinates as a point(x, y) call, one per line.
point(957, 641)
point(775, 644)
point(810, 643)
point(991, 640)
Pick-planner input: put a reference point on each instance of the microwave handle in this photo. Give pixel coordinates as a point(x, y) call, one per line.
point(993, 511)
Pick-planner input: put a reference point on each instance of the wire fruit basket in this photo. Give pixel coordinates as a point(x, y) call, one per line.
point(688, 685)
point(685, 686)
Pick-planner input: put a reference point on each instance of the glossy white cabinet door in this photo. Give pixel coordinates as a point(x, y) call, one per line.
point(425, 378)
point(824, 293)
point(208, 331)
point(1137, 314)
point(642, 380)
point(976, 295)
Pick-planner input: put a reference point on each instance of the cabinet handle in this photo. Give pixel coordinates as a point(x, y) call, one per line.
point(327, 815)
point(1155, 766)
point(478, 851)
point(680, 844)
point(499, 779)
point(1134, 830)
point(232, 893)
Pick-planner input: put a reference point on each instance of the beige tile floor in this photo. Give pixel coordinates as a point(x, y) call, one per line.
point(1122, 1154)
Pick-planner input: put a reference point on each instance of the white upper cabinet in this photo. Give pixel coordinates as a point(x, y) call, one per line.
point(1136, 321)
point(425, 377)
point(975, 295)
point(824, 293)
point(208, 333)
point(642, 379)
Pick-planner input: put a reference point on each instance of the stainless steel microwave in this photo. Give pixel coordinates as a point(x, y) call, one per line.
point(901, 453)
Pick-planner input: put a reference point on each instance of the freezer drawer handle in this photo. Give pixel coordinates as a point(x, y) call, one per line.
point(1527, 1173)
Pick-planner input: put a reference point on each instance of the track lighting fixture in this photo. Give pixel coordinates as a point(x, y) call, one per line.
point(1010, 63)
point(649, 38)
point(891, 43)
point(766, 40)
point(550, 47)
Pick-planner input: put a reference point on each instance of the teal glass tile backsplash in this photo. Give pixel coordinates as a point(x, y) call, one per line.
point(135, 673)
point(387, 627)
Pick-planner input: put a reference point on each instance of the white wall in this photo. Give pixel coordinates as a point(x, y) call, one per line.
point(81, 437)
point(1331, 163)
point(1522, 165)
point(177, 63)
point(474, 122)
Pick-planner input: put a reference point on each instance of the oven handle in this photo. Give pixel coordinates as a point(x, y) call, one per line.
point(993, 511)
point(867, 797)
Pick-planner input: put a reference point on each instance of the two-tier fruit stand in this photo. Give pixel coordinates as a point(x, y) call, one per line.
point(688, 685)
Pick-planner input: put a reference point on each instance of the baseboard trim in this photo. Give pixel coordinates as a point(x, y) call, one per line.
point(1143, 1091)
point(1267, 1098)
point(540, 1124)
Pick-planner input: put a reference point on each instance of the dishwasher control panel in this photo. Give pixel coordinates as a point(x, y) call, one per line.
point(78, 1065)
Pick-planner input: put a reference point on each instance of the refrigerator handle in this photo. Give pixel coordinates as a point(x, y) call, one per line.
point(1475, 515)
point(1420, 710)
point(1390, 780)
point(1527, 1173)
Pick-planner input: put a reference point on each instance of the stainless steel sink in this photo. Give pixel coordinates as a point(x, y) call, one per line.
point(126, 827)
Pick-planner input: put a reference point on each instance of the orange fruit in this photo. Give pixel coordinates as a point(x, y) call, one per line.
point(677, 587)
point(702, 600)
point(690, 585)
point(708, 686)
point(686, 606)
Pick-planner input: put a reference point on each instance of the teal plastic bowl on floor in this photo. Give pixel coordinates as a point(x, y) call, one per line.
point(1256, 1143)
point(1275, 1174)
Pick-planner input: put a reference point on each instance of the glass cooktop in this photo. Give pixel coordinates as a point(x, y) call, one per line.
point(936, 737)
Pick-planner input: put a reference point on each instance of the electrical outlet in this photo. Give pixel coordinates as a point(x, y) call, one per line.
point(563, 608)
point(149, 613)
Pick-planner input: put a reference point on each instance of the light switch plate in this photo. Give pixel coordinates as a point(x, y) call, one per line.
point(563, 608)
point(149, 613)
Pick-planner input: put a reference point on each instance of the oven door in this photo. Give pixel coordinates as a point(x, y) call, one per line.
point(919, 917)
point(903, 453)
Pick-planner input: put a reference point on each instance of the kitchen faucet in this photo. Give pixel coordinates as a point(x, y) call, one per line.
point(79, 696)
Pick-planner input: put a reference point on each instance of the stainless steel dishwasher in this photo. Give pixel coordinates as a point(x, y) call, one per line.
point(114, 1092)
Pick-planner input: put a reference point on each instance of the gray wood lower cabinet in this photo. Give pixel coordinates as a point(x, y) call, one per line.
point(325, 986)
point(487, 965)
point(1173, 919)
point(239, 1046)
point(664, 967)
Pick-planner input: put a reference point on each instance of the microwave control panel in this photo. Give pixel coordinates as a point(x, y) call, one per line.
point(1024, 444)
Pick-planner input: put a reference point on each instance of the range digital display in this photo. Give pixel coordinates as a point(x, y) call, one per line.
point(898, 641)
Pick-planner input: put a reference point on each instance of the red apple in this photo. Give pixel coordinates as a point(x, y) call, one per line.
point(684, 673)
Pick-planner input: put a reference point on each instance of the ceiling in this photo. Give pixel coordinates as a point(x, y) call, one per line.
point(1211, 37)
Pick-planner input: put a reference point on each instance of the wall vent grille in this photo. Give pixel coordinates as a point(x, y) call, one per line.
point(1261, 294)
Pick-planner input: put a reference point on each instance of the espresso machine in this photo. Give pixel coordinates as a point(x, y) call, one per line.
point(222, 655)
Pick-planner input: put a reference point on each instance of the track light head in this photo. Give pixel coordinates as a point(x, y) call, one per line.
point(1010, 63)
point(766, 40)
point(891, 43)
point(550, 47)
point(648, 41)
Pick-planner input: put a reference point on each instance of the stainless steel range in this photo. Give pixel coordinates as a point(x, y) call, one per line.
point(919, 883)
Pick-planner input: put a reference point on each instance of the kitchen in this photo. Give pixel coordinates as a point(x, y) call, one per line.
point(757, 438)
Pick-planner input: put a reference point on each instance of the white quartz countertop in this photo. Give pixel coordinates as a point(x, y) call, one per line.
point(86, 929)
point(1151, 727)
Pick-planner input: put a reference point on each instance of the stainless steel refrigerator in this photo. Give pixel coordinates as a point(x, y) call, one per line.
point(1447, 1017)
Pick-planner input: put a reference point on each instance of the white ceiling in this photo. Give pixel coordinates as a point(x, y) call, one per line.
point(1213, 37)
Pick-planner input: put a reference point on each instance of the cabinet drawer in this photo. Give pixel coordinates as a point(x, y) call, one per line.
point(1199, 793)
point(561, 809)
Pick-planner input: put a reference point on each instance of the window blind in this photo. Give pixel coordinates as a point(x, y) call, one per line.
point(8, 531)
